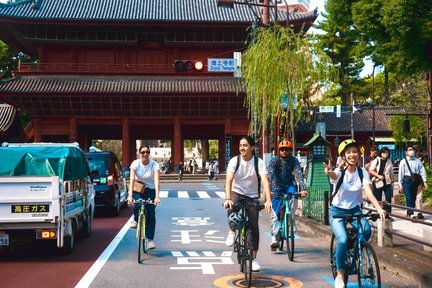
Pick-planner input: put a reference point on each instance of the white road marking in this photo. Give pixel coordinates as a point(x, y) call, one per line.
point(103, 258)
point(177, 253)
point(203, 194)
point(192, 253)
point(163, 194)
point(221, 194)
point(209, 254)
point(183, 194)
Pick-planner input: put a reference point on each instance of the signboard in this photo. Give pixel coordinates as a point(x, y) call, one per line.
point(338, 111)
point(362, 149)
point(221, 65)
point(228, 140)
point(389, 146)
point(326, 109)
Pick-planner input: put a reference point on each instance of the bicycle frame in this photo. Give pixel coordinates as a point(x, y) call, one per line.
point(141, 236)
point(358, 252)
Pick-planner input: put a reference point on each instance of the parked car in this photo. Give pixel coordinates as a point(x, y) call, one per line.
point(108, 180)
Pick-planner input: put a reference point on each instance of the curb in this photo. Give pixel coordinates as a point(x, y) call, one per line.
point(409, 263)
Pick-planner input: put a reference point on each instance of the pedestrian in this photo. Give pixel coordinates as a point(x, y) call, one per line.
point(210, 172)
point(180, 171)
point(190, 166)
point(412, 174)
point(243, 183)
point(381, 170)
point(215, 170)
point(346, 198)
point(283, 170)
point(144, 184)
point(372, 155)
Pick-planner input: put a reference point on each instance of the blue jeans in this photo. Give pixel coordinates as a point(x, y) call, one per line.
point(410, 192)
point(151, 214)
point(341, 235)
point(388, 193)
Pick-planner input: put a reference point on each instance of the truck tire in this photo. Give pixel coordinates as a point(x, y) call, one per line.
point(87, 225)
point(69, 242)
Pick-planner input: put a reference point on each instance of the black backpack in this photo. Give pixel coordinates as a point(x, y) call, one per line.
point(339, 183)
point(256, 171)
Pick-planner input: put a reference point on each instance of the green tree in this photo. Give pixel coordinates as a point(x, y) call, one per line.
point(280, 62)
point(8, 61)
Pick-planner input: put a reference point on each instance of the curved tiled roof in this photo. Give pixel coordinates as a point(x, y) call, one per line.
point(120, 85)
point(137, 10)
point(7, 116)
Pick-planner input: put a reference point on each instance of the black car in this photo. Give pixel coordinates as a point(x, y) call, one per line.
point(108, 179)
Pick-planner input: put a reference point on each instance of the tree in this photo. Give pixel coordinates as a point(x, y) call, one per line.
point(280, 62)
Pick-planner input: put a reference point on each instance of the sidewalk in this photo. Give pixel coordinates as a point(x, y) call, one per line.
point(405, 258)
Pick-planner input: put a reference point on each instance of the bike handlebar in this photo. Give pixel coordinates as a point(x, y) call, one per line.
point(370, 216)
point(145, 201)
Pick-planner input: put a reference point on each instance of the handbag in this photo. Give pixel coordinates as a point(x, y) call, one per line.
point(415, 177)
point(138, 187)
point(379, 183)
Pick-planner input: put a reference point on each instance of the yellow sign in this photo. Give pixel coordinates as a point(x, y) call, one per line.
point(362, 149)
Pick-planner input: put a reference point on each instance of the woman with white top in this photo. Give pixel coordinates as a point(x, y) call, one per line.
point(347, 199)
point(145, 172)
point(381, 169)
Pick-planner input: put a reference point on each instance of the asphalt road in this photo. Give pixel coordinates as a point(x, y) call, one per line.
point(190, 235)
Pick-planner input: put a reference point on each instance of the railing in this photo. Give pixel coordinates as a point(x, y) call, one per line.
point(83, 68)
point(315, 205)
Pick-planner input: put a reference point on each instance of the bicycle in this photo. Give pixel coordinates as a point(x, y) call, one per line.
point(362, 259)
point(142, 240)
point(243, 238)
point(286, 231)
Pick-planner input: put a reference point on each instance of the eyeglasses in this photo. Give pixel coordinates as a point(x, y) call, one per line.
point(145, 152)
point(284, 149)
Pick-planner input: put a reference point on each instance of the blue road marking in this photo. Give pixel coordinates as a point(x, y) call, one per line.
point(330, 280)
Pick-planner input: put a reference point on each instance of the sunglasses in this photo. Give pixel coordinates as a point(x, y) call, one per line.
point(284, 149)
point(145, 152)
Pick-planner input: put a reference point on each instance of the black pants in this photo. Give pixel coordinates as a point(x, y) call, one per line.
point(253, 217)
point(151, 214)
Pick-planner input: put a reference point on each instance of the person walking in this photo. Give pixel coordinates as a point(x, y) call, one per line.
point(381, 169)
point(346, 198)
point(412, 174)
point(180, 171)
point(243, 184)
point(144, 184)
point(283, 170)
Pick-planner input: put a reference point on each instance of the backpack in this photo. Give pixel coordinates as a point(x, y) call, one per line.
point(256, 171)
point(339, 183)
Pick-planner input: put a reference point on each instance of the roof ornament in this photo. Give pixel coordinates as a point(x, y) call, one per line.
point(36, 4)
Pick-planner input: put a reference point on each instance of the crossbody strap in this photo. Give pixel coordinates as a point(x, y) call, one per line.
point(409, 168)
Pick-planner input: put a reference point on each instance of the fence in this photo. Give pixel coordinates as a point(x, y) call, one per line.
point(315, 205)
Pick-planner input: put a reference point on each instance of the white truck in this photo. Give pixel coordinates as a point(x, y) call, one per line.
point(45, 194)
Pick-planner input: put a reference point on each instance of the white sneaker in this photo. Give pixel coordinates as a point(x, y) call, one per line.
point(255, 266)
point(339, 282)
point(133, 224)
point(274, 243)
point(151, 245)
point(230, 239)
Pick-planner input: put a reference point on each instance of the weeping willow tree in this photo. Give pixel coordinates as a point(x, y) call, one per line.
point(282, 66)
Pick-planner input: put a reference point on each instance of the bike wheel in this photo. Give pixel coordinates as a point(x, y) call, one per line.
point(289, 236)
point(368, 272)
point(139, 237)
point(333, 244)
point(247, 258)
point(143, 236)
point(238, 247)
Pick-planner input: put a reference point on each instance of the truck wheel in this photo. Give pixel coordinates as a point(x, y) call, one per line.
point(87, 225)
point(69, 241)
point(116, 208)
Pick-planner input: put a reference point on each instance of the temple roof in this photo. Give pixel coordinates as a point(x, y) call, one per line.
point(126, 96)
point(138, 11)
point(41, 84)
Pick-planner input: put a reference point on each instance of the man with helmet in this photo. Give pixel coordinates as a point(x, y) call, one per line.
point(284, 170)
point(346, 199)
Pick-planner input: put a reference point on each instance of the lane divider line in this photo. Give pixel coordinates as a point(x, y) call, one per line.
point(91, 274)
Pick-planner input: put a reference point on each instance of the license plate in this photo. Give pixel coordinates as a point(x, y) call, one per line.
point(30, 208)
point(4, 239)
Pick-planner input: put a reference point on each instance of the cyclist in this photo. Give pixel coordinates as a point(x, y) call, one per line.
point(283, 170)
point(346, 199)
point(146, 171)
point(242, 183)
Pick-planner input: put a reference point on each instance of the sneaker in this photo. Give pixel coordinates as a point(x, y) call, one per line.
point(133, 224)
point(420, 216)
point(151, 245)
point(339, 282)
point(274, 243)
point(255, 266)
point(230, 239)
point(412, 216)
